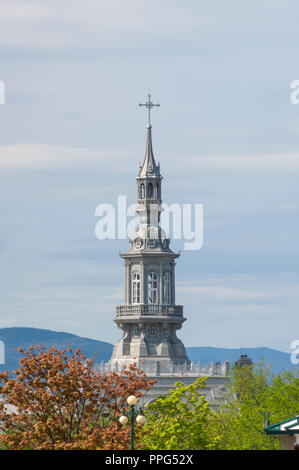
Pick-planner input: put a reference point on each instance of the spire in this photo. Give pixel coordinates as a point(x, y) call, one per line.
point(149, 167)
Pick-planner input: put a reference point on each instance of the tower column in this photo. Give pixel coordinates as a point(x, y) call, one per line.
point(173, 283)
point(161, 284)
point(129, 284)
point(126, 284)
point(142, 285)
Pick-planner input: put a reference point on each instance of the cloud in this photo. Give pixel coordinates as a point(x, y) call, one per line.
point(222, 131)
point(20, 11)
point(220, 291)
point(248, 163)
point(117, 296)
point(42, 157)
point(104, 25)
point(115, 24)
point(224, 293)
point(25, 296)
point(252, 294)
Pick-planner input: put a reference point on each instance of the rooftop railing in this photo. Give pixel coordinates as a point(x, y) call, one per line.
point(143, 310)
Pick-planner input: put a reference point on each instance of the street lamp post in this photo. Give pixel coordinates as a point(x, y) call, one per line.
point(140, 418)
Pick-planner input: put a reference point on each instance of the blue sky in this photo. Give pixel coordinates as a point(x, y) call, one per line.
point(226, 135)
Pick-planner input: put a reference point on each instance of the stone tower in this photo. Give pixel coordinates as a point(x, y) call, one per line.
point(149, 317)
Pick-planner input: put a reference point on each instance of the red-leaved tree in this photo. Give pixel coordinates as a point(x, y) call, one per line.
point(63, 403)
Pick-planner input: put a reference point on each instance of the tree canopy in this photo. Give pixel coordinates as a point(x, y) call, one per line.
point(255, 395)
point(61, 402)
point(178, 420)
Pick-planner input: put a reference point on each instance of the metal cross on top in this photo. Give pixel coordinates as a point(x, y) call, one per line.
point(149, 105)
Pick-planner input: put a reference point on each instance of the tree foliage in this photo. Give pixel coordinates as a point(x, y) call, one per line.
point(254, 394)
point(63, 403)
point(177, 420)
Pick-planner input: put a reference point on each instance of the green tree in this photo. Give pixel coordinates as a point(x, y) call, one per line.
point(177, 420)
point(254, 392)
point(61, 402)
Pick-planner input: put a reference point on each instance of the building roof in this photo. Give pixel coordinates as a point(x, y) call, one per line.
point(289, 426)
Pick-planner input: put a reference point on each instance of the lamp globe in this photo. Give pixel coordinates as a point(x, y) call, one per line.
point(123, 420)
point(140, 419)
point(132, 400)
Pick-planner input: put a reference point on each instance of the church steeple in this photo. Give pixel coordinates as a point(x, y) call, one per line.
point(149, 166)
point(149, 317)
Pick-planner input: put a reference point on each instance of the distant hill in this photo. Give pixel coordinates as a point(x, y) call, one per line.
point(14, 338)
point(279, 360)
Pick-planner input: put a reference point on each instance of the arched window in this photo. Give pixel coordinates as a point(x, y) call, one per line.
point(142, 191)
point(166, 289)
point(136, 288)
point(150, 190)
point(152, 288)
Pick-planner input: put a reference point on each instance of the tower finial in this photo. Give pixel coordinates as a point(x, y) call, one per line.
point(149, 105)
